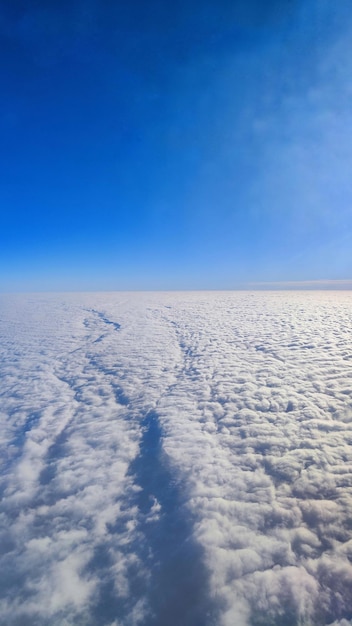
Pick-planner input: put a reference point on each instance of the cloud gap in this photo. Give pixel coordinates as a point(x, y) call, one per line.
point(106, 320)
point(178, 590)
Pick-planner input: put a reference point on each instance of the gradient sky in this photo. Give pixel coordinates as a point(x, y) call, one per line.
point(157, 145)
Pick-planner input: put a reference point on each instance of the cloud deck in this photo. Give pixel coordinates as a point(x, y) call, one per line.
point(179, 458)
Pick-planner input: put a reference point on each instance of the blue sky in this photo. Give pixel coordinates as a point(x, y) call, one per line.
point(159, 146)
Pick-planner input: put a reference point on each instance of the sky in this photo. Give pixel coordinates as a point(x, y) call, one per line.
point(191, 145)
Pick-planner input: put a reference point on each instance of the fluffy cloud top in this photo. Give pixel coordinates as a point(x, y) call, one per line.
point(176, 459)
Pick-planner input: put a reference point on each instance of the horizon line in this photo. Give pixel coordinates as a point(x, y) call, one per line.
point(299, 285)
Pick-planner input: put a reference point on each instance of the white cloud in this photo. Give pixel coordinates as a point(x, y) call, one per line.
point(198, 446)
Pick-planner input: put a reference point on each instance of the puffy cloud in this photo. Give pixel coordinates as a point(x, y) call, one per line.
point(176, 458)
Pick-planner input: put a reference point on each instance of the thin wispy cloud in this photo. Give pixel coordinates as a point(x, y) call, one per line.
point(302, 284)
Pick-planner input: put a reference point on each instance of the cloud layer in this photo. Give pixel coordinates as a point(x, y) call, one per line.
point(176, 458)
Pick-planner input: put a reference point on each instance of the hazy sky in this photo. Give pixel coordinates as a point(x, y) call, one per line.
point(174, 145)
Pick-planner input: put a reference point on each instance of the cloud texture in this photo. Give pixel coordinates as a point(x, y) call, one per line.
point(176, 459)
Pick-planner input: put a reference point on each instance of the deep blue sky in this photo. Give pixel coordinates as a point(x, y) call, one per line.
point(181, 145)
